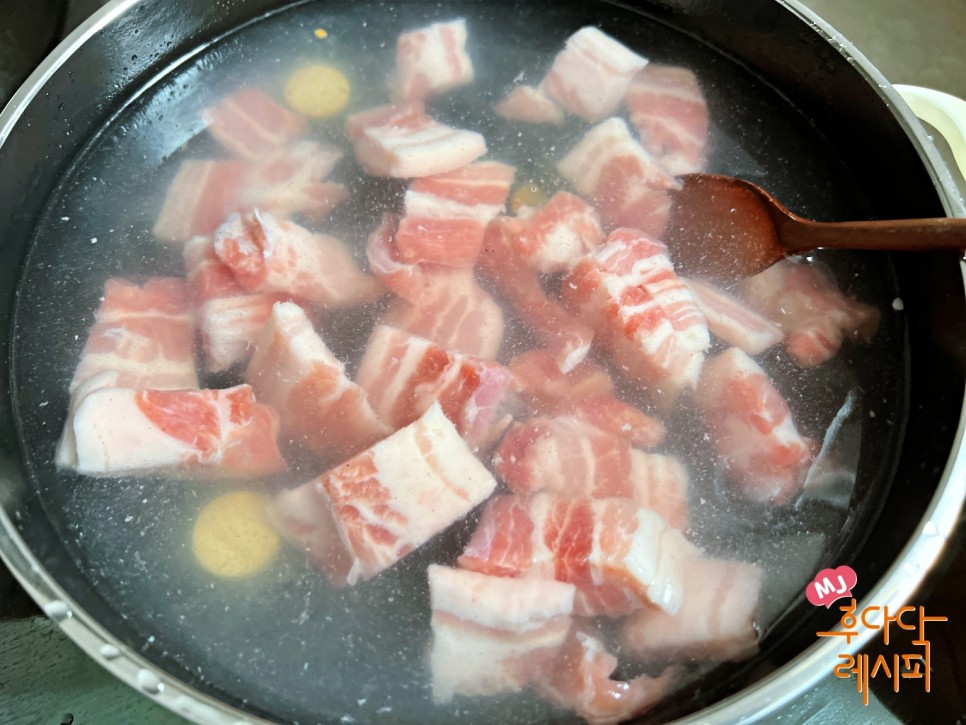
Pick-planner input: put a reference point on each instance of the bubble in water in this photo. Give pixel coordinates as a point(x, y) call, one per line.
point(57, 610)
point(930, 529)
point(109, 651)
point(149, 682)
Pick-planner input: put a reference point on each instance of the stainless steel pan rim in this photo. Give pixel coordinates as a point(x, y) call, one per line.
point(752, 703)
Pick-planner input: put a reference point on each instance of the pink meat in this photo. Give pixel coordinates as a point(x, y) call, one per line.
point(404, 375)
point(431, 60)
point(268, 255)
point(200, 197)
point(626, 184)
point(401, 141)
point(208, 433)
point(716, 621)
point(610, 415)
point(814, 315)
point(390, 499)
point(590, 75)
point(446, 215)
point(493, 635)
point(547, 389)
point(442, 304)
point(294, 371)
point(580, 680)
point(667, 107)
point(565, 456)
point(644, 314)
point(529, 105)
point(752, 430)
point(557, 234)
point(248, 123)
point(732, 321)
point(619, 556)
point(502, 265)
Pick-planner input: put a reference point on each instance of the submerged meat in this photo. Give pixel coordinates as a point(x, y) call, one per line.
point(200, 197)
point(716, 621)
point(270, 255)
point(208, 433)
point(814, 315)
point(590, 75)
point(493, 635)
point(402, 142)
point(558, 233)
point(404, 375)
point(619, 556)
point(547, 389)
point(626, 184)
point(752, 430)
point(529, 105)
point(446, 215)
point(732, 321)
point(248, 123)
point(667, 107)
point(294, 371)
point(431, 60)
point(644, 314)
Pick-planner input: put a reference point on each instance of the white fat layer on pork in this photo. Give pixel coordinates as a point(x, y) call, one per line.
point(734, 322)
point(431, 62)
point(409, 153)
point(426, 205)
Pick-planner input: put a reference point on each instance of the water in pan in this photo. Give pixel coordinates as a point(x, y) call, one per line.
point(284, 642)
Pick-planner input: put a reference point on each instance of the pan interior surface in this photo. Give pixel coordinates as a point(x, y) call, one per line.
point(283, 642)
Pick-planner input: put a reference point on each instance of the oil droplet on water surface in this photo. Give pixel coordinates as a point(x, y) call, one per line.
point(232, 536)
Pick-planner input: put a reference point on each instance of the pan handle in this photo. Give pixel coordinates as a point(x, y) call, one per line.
point(945, 113)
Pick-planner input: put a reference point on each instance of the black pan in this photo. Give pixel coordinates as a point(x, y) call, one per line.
point(108, 118)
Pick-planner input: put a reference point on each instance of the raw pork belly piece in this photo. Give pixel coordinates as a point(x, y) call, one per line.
point(716, 622)
point(431, 60)
point(405, 374)
point(529, 105)
point(732, 321)
point(209, 433)
point(619, 556)
point(442, 304)
point(590, 75)
point(446, 215)
point(492, 635)
point(580, 680)
point(200, 197)
point(814, 315)
point(626, 184)
point(565, 456)
point(666, 105)
point(644, 314)
point(547, 389)
point(392, 498)
point(559, 233)
point(754, 436)
point(267, 255)
point(248, 123)
point(402, 142)
point(501, 263)
point(294, 371)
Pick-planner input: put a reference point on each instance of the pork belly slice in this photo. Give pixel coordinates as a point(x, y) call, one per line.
point(644, 315)
point(546, 389)
point(446, 215)
point(667, 107)
point(402, 142)
point(269, 255)
point(579, 679)
point(716, 621)
point(554, 327)
point(591, 74)
point(732, 321)
point(619, 556)
point(810, 309)
point(558, 233)
point(206, 433)
point(752, 430)
point(404, 375)
point(249, 124)
point(431, 60)
point(199, 198)
point(294, 371)
point(395, 496)
point(565, 456)
point(493, 635)
point(626, 184)
point(529, 105)
point(442, 304)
